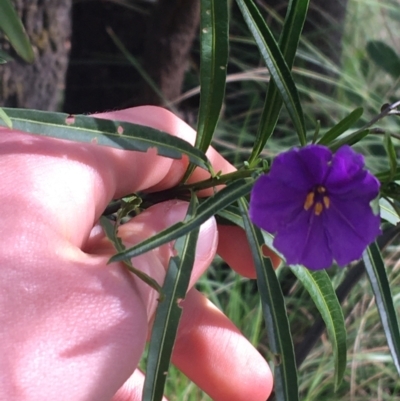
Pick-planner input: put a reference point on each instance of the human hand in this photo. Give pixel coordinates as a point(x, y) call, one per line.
point(73, 327)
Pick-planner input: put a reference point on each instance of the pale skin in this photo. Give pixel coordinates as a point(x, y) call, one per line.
point(73, 327)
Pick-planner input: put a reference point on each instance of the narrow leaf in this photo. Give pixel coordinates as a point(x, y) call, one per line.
point(214, 45)
point(384, 176)
point(288, 42)
point(111, 234)
point(376, 272)
point(5, 118)
point(385, 57)
point(231, 214)
point(12, 26)
point(117, 134)
point(388, 212)
point(207, 209)
point(168, 312)
point(279, 70)
point(341, 127)
point(350, 140)
point(319, 286)
point(276, 320)
point(391, 152)
point(214, 59)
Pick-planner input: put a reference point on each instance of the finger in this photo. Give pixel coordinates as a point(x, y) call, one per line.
point(164, 120)
point(70, 327)
point(234, 248)
point(71, 183)
point(132, 389)
point(154, 263)
point(87, 321)
point(212, 352)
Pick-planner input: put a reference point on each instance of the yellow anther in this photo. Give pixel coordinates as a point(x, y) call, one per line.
point(327, 201)
point(321, 190)
point(318, 208)
point(309, 200)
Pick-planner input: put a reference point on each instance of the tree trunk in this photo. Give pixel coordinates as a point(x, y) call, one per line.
point(39, 85)
point(159, 36)
point(170, 35)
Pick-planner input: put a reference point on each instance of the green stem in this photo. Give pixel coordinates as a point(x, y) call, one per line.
point(389, 109)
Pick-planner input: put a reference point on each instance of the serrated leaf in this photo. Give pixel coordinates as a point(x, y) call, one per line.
point(117, 134)
point(12, 26)
point(288, 42)
point(207, 209)
point(378, 279)
point(319, 286)
point(279, 70)
point(276, 320)
point(341, 127)
point(385, 57)
point(168, 312)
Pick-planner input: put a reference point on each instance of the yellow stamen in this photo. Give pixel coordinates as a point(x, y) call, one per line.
point(327, 201)
point(321, 190)
point(318, 208)
point(309, 200)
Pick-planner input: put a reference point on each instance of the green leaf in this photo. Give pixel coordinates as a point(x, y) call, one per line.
point(232, 215)
point(385, 57)
point(319, 286)
point(5, 118)
point(388, 213)
point(111, 232)
point(214, 49)
point(12, 26)
point(391, 151)
point(288, 42)
point(350, 140)
point(168, 312)
point(117, 134)
point(376, 272)
point(207, 209)
point(384, 176)
point(276, 320)
point(341, 127)
point(279, 70)
point(214, 59)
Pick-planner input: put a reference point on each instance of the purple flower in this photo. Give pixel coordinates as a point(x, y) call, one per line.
point(318, 204)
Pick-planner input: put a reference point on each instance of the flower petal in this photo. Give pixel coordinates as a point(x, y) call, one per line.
point(302, 168)
point(305, 242)
point(272, 203)
point(348, 179)
point(351, 227)
point(318, 204)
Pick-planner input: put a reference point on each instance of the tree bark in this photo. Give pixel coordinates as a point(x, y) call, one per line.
point(39, 85)
point(170, 35)
point(159, 36)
